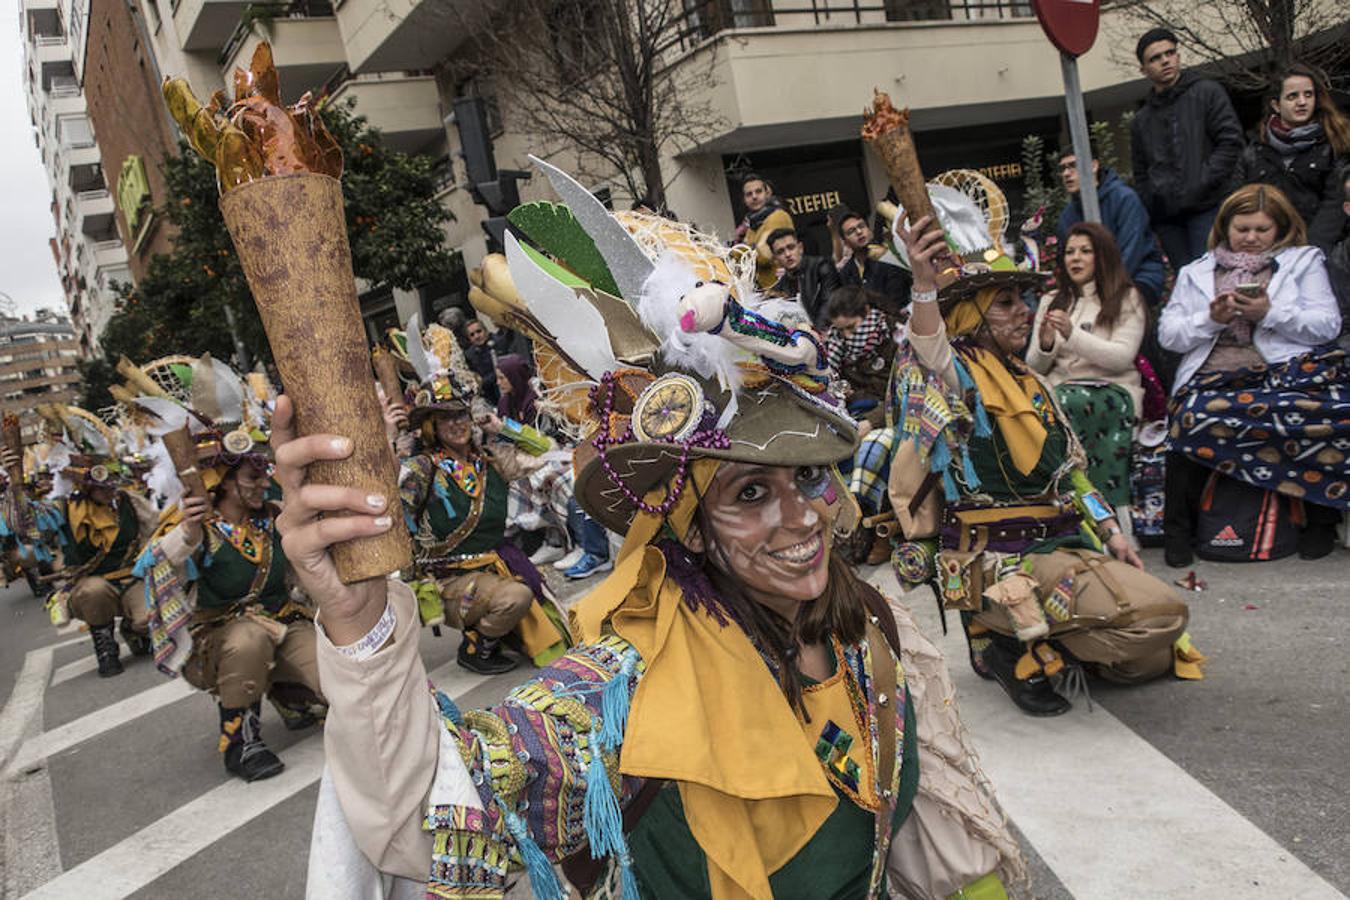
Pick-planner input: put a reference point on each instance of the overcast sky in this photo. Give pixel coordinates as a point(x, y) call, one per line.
point(27, 270)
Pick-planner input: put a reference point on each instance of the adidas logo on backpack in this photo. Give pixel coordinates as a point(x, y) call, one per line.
point(1227, 537)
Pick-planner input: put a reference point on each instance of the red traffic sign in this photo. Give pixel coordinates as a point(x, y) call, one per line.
point(1071, 25)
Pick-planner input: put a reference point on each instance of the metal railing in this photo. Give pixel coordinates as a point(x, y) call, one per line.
point(57, 91)
point(267, 12)
point(91, 196)
point(704, 18)
point(49, 40)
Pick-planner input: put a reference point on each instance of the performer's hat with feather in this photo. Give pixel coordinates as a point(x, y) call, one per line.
point(83, 452)
point(228, 415)
point(684, 358)
point(444, 381)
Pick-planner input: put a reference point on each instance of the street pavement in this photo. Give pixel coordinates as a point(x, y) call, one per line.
point(1231, 787)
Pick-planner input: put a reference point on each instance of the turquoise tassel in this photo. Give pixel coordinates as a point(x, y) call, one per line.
point(982, 426)
point(627, 879)
point(949, 486)
point(42, 553)
point(543, 880)
point(614, 703)
point(449, 709)
point(941, 456)
point(968, 470)
point(144, 563)
point(190, 570)
point(439, 487)
point(4, 528)
point(601, 816)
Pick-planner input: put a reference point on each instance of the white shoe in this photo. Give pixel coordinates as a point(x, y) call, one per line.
point(547, 553)
point(570, 560)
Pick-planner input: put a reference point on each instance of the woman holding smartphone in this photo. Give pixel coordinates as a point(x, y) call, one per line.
point(1257, 393)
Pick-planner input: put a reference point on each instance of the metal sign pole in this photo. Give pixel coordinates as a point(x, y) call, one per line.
point(1078, 130)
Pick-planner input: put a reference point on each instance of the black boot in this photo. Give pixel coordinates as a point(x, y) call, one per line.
point(105, 649)
point(1034, 696)
point(483, 654)
point(139, 644)
point(241, 741)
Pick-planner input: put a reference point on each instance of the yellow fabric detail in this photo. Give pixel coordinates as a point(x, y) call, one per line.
point(829, 701)
point(1187, 662)
point(1006, 396)
point(687, 726)
point(987, 887)
point(92, 523)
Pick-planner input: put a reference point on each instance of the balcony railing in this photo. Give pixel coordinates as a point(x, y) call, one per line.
point(49, 40)
point(299, 9)
point(704, 18)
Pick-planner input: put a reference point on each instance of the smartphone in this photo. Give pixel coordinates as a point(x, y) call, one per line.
point(1249, 290)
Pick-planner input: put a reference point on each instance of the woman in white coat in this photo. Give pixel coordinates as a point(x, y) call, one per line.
point(1258, 393)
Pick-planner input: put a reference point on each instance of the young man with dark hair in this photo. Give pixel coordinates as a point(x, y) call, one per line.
point(811, 279)
point(764, 216)
point(1123, 214)
point(1185, 144)
point(865, 267)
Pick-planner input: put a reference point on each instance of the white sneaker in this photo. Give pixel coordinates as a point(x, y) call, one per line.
point(570, 560)
point(547, 553)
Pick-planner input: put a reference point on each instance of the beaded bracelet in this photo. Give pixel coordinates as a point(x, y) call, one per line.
point(923, 296)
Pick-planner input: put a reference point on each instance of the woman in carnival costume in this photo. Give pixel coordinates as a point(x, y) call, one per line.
point(32, 528)
point(735, 722)
point(994, 500)
point(454, 493)
point(107, 522)
point(224, 609)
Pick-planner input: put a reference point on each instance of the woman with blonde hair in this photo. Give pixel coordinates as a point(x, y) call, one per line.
point(1258, 394)
point(1302, 145)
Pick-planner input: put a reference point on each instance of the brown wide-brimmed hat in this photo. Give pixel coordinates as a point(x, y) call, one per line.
point(971, 283)
point(776, 424)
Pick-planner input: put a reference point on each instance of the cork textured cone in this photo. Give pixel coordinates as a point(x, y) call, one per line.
point(182, 449)
point(386, 373)
point(291, 235)
point(901, 159)
point(13, 440)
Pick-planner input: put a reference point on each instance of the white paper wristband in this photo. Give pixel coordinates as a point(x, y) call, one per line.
point(374, 639)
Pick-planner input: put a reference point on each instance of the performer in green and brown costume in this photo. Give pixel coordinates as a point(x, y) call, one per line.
point(224, 612)
point(108, 521)
point(736, 722)
point(1017, 541)
point(454, 494)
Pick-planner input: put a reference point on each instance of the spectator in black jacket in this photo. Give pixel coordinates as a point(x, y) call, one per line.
point(1301, 148)
point(1185, 144)
point(811, 279)
point(863, 266)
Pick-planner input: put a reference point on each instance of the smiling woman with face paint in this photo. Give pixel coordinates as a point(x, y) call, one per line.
point(734, 722)
point(1018, 519)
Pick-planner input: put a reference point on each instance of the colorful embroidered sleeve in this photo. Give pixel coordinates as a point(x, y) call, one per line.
point(414, 485)
point(545, 766)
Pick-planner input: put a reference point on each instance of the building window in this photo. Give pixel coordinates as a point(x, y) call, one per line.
point(74, 131)
point(917, 10)
point(705, 18)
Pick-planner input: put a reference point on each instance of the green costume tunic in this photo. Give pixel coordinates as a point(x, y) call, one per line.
point(225, 575)
point(78, 553)
point(433, 500)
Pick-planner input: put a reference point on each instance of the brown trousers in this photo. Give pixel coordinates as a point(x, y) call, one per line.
point(240, 659)
point(1124, 620)
point(484, 601)
point(97, 601)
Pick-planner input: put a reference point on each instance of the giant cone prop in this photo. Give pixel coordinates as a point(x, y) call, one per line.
point(13, 442)
point(182, 449)
point(886, 130)
point(278, 169)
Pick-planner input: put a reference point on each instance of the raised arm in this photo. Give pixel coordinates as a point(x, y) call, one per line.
point(927, 331)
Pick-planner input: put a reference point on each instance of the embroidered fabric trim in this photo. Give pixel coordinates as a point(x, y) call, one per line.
point(373, 640)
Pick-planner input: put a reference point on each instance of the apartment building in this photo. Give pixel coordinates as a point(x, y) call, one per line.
point(88, 248)
point(37, 365)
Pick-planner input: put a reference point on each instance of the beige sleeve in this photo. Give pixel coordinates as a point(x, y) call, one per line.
point(381, 741)
point(176, 547)
point(511, 462)
point(1117, 352)
point(935, 354)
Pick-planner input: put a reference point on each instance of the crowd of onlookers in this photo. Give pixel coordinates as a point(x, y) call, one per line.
point(1254, 235)
point(1164, 334)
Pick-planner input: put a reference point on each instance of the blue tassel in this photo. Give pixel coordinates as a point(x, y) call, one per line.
point(144, 563)
point(982, 426)
point(601, 816)
point(4, 528)
point(968, 470)
point(949, 486)
point(42, 553)
point(190, 569)
point(439, 488)
point(543, 880)
point(627, 879)
point(449, 710)
point(941, 456)
point(614, 703)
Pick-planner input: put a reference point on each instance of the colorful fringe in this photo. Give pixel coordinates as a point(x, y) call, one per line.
point(166, 603)
point(938, 419)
